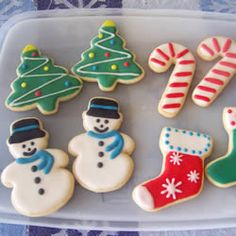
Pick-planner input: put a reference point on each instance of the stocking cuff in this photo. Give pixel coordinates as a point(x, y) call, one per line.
point(185, 141)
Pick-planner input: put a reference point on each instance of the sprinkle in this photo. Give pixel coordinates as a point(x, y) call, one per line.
point(176, 130)
point(100, 35)
point(191, 133)
point(126, 64)
point(232, 123)
point(171, 147)
point(94, 67)
point(208, 145)
point(185, 150)
point(167, 135)
point(179, 148)
point(198, 134)
point(167, 142)
point(38, 93)
point(67, 83)
point(184, 131)
point(229, 111)
point(107, 54)
point(193, 151)
point(23, 85)
point(45, 68)
point(205, 149)
point(114, 67)
point(34, 54)
point(168, 129)
point(91, 55)
point(112, 41)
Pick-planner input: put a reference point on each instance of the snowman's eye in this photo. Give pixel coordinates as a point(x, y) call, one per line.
point(32, 143)
point(97, 120)
point(24, 146)
point(106, 121)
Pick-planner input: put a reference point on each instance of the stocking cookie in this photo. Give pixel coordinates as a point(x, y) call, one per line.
point(103, 162)
point(221, 172)
point(41, 184)
point(107, 61)
point(41, 84)
point(175, 93)
point(182, 173)
point(220, 74)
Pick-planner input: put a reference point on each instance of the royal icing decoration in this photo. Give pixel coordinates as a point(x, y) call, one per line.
point(220, 74)
point(41, 184)
point(182, 173)
point(175, 93)
point(104, 61)
point(103, 162)
point(221, 172)
point(40, 84)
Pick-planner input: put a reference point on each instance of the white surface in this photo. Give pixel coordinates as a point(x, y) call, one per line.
point(64, 38)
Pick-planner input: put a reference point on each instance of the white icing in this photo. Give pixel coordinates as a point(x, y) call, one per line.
point(97, 44)
point(229, 119)
point(207, 57)
point(171, 188)
point(171, 112)
point(176, 158)
point(193, 176)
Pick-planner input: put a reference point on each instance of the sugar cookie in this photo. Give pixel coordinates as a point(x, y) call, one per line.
point(182, 172)
point(40, 183)
point(41, 84)
point(103, 162)
point(175, 93)
point(220, 74)
point(107, 61)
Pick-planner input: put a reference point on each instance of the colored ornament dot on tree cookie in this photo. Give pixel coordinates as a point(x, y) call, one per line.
point(94, 67)
point(34, 54)
point(91, 55)
point(24, 66)
point(107, 54)
point(100, 35)
point(45, 68)
point(112, 41)
point(126, 64)
point(23, 85)
point(114, 67)
point(67, 83)
point(38, 93)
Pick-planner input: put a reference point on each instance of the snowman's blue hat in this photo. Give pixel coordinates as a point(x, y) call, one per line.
point(25, 129)
point(103, 107)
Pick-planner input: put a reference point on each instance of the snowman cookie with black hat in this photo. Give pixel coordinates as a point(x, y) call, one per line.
point(41, 184)
point(103, 162)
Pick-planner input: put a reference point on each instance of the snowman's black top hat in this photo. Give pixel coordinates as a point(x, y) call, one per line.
point(103, 107)
point(26, 129)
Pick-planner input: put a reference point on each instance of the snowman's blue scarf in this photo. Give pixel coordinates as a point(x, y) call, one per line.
point(45, 157)
point(116, 146)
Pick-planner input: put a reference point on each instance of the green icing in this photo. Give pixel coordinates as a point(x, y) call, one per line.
point(99, 67)
point(223, 171)
point(42, 87)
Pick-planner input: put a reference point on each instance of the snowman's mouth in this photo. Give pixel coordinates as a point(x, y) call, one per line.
point(30, 153)
point(101, 130)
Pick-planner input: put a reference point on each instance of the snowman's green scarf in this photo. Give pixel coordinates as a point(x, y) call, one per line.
point(115, 147)
point(45, 157)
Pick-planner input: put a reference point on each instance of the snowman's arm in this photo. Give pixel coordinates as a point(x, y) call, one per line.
point(8, 175)
point(61, 158)
point(75, 144)
point(129, 144)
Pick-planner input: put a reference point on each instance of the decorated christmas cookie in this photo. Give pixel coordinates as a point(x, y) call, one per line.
point(221, 172)
point(220, 74)
point(103, 162)
point(41, 185)
point(182, 173)
point(175, 93)
point(41, 84)
point(107, 61)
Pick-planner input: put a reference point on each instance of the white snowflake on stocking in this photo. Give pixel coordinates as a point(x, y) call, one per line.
point(171, 188)
point(176, 158)
point(193, 176)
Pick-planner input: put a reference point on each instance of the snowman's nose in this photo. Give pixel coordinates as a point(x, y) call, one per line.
point(29, 149)
point(101, 126)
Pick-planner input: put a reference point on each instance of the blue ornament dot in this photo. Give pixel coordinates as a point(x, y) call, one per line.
point(176, 130)
point(168, 129)
point(185, 150)
point(167, 135)
point(193, 151)
point(205, 149)
point(199, 152)
point(204, 135)
point(209, 138)
point(171, 147)
point(67, 83)
point(179, 148)
point(198, 134)
point(94, 67)
point(24, 66)
point(112, 41)
point(184, 131)
point(208, 145)
point(167, 142)
point(191, 133)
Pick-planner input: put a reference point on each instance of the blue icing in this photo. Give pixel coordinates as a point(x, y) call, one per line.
point(191, 133)
point(185, 150)
point(168, 129)
point(193, 151)
point(167, 142)
point(167, 135)
point(198, 134)
point(171, 147)
point(94, 67)
point(199, 152)
point(176, 130)
point(178, 148)
point(206, 150)
point(184, 131)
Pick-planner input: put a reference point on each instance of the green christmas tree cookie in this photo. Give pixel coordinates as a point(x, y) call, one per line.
point(107, 61)
point(41, 84)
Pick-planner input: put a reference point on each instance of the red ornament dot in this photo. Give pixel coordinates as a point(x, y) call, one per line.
point(34, 54)
point(106, 54)
point(38, 93)
point(126, 63)
point(232, 123)
point(229, 111)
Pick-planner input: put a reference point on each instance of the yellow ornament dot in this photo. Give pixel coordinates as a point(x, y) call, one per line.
point(91, 55)
point(114, 67)
point(100, 35)
point(23, 85)
point(45, 68)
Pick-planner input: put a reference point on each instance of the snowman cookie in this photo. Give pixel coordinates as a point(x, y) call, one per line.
point(103, 162)
point(40, 183)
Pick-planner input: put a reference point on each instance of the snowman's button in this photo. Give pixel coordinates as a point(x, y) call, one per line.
point(101, 154)
point(34, 168)
point(41, 191)
point(100, 143)
point(37, 180)
point(100, 164)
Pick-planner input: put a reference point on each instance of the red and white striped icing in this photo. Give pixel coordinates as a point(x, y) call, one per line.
point(175, 93)
point(220, 74)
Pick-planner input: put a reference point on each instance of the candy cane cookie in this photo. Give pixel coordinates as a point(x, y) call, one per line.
point(175, 93)
point(220, 74)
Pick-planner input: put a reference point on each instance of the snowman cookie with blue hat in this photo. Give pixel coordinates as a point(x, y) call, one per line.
point(103, 161)
point(40, 183)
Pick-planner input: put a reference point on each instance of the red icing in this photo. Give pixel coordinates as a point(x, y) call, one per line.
point(171, 105)
point(228, 64)
point(209, 50)
point(126, 63)
point(162, 63)
point(181, 54)
point(34, 54)
point(227, 45)
point(229, 111)
point(178, 173)
point(175, 95)
point(214, 81)
point(186, 62)
point(171, 49)
point(107, 54)
point(230, 54)
point(178, 84)
point(203, 98)
point(162, 54)
point(216, 44)
point(183, 73)
point(38, 93)
point(206, 88)
point(232, 123)
point(221, 72)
